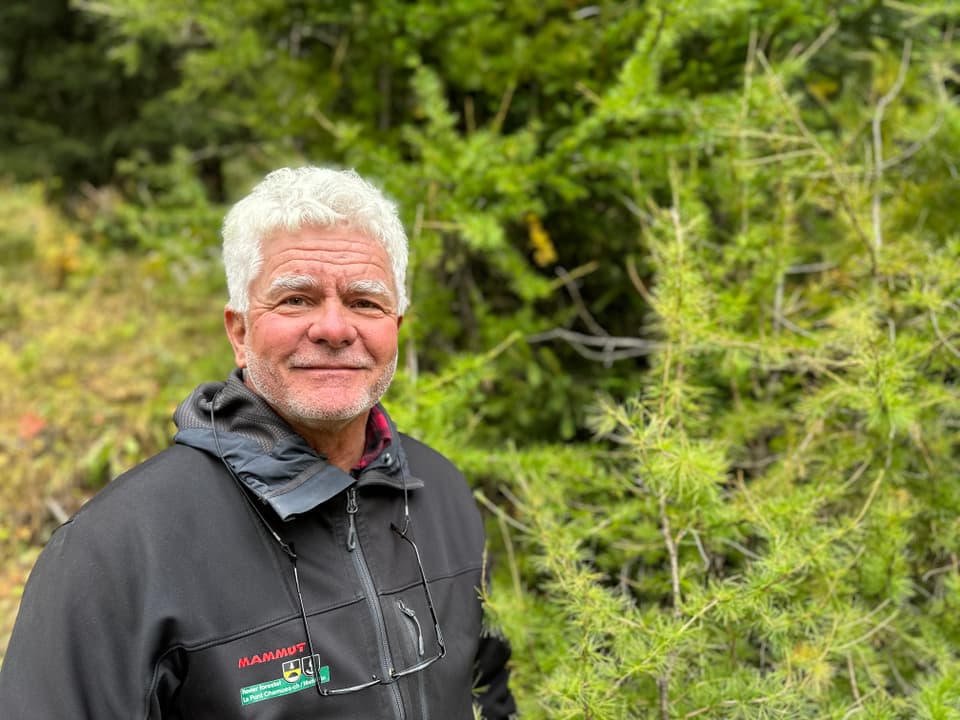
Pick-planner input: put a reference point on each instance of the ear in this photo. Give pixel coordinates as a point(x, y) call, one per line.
point(236, 327)
point(399, 321)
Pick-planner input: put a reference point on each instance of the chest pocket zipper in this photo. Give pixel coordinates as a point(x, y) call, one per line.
point(416, 624)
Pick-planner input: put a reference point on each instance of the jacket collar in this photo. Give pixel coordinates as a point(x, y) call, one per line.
point(268, 456)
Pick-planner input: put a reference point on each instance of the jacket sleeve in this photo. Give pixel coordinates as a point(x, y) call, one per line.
point(492, 678)
point(79, 648)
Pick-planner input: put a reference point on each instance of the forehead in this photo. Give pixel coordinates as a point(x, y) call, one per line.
point(335, 251)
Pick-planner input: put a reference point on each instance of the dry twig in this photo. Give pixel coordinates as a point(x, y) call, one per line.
point(878, 165)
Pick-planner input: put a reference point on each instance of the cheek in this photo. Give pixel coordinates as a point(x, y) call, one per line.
point(270, 339)
point(384, 344)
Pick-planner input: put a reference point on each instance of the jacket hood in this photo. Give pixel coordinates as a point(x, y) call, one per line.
point(231, 422)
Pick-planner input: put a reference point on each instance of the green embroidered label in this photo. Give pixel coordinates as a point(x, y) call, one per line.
point(290, 683)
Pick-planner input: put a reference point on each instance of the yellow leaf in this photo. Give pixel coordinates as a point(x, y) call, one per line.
point(544, 253)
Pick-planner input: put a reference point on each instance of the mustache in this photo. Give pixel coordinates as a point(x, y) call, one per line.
point(331, 360)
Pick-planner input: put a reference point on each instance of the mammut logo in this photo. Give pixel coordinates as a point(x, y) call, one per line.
point(269, 655)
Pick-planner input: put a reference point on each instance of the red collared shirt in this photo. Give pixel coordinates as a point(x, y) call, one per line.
point(378, 437)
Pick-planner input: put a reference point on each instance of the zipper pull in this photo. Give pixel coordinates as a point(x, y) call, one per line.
point(352, 508)
point(413, 616)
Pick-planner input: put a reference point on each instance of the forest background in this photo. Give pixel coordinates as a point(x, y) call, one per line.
point(685, 308)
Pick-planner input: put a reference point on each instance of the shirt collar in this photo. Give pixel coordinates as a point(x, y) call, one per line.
point(378, 437)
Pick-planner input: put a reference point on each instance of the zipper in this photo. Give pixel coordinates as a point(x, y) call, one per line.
point(370, 593)
point(352, 507)
point(416, 623)
point(414, 626)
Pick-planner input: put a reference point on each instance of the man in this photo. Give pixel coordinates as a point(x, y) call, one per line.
point(291, 555)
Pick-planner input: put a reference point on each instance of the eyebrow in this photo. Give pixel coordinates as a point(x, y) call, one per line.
point(294, 283)
point(376, 288)
point(307, 283)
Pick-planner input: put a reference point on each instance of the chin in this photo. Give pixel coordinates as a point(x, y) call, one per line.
point(323, 414)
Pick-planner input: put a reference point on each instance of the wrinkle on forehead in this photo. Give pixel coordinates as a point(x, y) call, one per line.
point(320, 261)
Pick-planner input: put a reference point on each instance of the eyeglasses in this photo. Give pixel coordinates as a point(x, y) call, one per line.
point(393, 674)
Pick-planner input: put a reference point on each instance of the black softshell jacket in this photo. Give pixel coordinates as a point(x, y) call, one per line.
point(168, 596)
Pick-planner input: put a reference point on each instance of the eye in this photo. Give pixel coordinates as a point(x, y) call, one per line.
point(366, 304)
point(294, 300)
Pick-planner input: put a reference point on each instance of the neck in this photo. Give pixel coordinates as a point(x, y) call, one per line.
point(342, 443)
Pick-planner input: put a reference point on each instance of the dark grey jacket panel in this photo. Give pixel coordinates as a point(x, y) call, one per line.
point(165, 597)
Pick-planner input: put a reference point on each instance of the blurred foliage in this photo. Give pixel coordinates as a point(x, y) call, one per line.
point(100, 344)
point(684, 283)
point(70, 110)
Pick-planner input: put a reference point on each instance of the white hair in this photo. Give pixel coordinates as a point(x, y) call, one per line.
point(290, 199)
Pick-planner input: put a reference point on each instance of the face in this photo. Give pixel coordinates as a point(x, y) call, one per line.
point(319, 340)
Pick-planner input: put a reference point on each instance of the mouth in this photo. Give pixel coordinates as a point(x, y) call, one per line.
point(329, 368)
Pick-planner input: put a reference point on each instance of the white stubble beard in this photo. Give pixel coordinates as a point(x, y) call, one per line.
point(271, 387)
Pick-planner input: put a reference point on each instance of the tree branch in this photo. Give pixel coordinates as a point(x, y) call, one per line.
point(663, 681)
point(827, 158)
point(581, 306)
point(878, 142)
point(613, 347)
point(940, 336)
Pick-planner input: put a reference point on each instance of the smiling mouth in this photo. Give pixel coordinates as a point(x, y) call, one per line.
point(329, 368)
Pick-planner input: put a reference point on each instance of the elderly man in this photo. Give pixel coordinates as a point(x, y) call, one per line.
point(292, 555)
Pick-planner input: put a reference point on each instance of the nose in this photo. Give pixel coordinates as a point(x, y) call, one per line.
point(331, 324)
